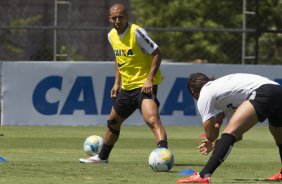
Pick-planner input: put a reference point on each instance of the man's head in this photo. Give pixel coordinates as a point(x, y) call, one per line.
point(118, 17)
point(195, 82)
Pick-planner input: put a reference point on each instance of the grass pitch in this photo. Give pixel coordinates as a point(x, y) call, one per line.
point(49, 155)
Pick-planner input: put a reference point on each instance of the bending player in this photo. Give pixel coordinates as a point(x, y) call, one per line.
point(246, 99)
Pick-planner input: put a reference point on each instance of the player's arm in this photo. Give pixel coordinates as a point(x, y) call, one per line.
point(208, 144)
point(212, 128)
point(116, 87)
point(219, 119)
point(148, 46)
point(117, 83)
point(156, 61)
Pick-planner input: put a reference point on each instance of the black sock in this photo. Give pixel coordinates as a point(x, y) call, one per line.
point(105, 152)
point(162, 144)
point(221, 151)
point(280, 152)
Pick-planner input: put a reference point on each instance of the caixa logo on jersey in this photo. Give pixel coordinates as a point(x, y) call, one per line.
point(82, 97)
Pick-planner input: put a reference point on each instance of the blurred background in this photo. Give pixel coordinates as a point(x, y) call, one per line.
point(196, 31)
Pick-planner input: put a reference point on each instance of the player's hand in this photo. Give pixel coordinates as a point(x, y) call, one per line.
point(206, 147)
point(114, 91)
point(147, 87)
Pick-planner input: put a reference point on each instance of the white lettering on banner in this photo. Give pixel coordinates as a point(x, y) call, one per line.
point(54, 93)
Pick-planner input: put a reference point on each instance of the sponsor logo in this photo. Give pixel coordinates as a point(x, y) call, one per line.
point(120, 65)
point(122, 52)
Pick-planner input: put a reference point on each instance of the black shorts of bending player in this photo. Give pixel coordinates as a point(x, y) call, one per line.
point(128, 101)
point(267, 101)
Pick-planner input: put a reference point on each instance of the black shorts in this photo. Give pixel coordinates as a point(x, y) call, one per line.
point(267, 101)
point(128, 101)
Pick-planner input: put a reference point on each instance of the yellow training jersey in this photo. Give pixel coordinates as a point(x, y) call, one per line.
point(134, 65)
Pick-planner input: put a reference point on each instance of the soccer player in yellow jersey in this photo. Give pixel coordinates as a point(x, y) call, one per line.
point(136, 81)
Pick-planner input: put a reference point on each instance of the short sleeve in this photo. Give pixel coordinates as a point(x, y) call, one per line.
point(146, 44)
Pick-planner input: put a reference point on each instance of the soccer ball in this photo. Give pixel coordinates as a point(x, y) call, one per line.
point(161, 159)
point(93, 145)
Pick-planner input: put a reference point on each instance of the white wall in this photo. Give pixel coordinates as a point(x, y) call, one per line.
point(77, 93)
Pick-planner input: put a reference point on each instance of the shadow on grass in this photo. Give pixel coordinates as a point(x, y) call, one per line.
point(174, 172)
point(252, 181)
point(189, 165)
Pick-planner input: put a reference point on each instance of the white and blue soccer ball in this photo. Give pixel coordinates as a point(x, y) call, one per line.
point(93, 145)
point(161, 160)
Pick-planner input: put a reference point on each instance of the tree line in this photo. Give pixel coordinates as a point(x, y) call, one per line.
point(188, 42)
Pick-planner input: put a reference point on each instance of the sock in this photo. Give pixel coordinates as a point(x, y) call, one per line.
point(105, 152)
point(162, 144)
point(280, 152)
point(220, 153)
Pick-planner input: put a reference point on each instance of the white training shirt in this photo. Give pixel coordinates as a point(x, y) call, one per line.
point(146, 44)
point(227, 93)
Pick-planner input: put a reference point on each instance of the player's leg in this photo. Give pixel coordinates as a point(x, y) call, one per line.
point(243, 119)
point(277, 134)
point(111, 135)
point(151, 116)
point(121, 109)
point(275, 124)
point(275, 127)
point(113, 128)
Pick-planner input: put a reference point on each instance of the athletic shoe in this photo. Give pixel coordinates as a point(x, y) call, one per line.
point(195, 178)
point(276, 177)
point(94, 160)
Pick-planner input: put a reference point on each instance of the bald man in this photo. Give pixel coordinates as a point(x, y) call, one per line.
point(137, 61)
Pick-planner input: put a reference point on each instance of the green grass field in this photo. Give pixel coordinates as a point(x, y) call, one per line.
point(38, 155)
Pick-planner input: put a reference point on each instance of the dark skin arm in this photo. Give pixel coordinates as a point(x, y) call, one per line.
point(116, 87)
point(211, 128)
point(148, 85)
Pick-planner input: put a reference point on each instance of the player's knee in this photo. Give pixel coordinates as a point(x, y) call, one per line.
point(110, 124)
